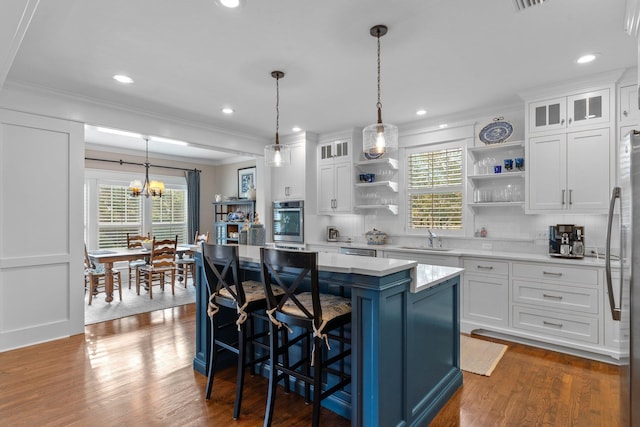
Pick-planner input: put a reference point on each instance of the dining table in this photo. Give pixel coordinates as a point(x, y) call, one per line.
point(108, 257)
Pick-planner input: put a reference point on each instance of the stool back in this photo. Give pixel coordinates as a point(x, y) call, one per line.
point(304, 265)
point(221, 265)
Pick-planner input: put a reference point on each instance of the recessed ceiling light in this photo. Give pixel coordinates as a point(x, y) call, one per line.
point(586, 58)
point(227, 110)
point(121, 78)
point(119, 132)
point(421, 112)
point(167, 140)
point(231, 4)
point(444, 125)
point(296, 129)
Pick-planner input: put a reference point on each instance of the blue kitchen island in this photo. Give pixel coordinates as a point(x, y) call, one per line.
point(405, 335)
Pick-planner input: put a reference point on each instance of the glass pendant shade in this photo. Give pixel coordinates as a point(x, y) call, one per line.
point(379, 138)
point(277, 155)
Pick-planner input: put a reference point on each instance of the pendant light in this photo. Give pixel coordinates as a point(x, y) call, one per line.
point(277, 155)
point(379, 137)
point(148, 188)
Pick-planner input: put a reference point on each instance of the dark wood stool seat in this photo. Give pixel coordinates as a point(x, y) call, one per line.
point(316, 316)
point(247, 300)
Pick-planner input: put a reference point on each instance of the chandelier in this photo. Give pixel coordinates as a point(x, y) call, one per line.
point(379, 137)
point(148, 188)
point(277, 155)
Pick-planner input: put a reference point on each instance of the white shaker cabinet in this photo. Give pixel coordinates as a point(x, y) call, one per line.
point(485, 292)
point(628, 110)
point(570, 111)
point(288, 183)
point(569, 172)
point(335, 188)
point(335, 176)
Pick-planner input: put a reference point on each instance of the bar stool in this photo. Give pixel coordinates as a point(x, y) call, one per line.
point(247, 299)
point(318, 315)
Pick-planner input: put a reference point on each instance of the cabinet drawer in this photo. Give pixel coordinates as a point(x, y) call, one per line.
point(573, 298)
point(583, 276)
point(560, 325)
point(486, 266)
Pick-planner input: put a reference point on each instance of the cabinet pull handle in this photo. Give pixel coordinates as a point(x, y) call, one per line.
point(562, 122)
point(558, 297)
point(489, 267)
point(570, 119)
point(570, 197)
point(551, 273)
point(557, 325)
point(563, 191)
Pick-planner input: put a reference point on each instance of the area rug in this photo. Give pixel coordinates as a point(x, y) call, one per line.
point(100, 310)
point(479, 356)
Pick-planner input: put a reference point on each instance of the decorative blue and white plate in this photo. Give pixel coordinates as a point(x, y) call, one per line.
point(372, 155)
point(496, 132)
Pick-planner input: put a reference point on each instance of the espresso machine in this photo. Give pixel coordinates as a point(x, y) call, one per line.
point(566, 241)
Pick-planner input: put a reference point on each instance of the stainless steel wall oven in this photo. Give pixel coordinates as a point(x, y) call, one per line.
point(288, 221)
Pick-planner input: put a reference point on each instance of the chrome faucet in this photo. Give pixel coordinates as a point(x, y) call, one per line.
point(432, 236)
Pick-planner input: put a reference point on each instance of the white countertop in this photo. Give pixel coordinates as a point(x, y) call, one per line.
point(340, 263)
point(425, 276)
point(511, 256)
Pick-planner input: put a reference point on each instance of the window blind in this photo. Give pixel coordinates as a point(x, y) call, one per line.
point(118, 214)
point(435, 182)
point(169, 215)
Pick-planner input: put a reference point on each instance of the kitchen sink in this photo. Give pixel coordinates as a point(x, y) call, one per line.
point(425, 248)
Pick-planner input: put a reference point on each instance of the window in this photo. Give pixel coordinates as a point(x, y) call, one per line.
point(435, 188)
point(111, 212)
point(169, 215)
point(118, 214)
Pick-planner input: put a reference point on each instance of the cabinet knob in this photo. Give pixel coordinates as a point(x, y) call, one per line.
point(625, 113)
point(570, 120)
point(562, 122)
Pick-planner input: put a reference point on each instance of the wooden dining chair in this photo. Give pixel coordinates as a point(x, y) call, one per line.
point(161, 266)
point(135, 242)
point(95, 275)
point(187, 263)
point(234, 304)
point(318, 318)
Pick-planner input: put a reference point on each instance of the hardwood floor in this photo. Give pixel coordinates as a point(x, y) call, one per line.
point(138, 371)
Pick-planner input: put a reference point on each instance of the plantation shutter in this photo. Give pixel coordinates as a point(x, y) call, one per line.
point(118, 214)
point(169, 215)
point(435, 189)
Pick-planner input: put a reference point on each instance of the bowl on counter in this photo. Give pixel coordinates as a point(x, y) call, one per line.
point(147, 244)
point(376, 237)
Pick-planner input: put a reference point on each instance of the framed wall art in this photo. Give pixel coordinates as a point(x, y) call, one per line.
point(246, 180)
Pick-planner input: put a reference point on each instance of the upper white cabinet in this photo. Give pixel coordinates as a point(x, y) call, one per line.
point(293, 182)
point(335, 172)
point(288, 183)
point(570, 111)
point(570, 149)
point(569, 172)
point(628, 111)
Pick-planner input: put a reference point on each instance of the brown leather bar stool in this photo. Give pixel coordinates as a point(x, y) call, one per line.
point(248, 300)
point(317, 315)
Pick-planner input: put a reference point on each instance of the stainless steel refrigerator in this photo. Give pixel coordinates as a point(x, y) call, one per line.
point(624, 298)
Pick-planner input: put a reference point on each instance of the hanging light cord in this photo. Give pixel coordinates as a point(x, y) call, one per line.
point(277, 108)
point(379, 104)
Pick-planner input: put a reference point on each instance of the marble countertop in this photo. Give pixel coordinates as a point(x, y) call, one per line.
point(425, 276)
point(340, 263)
point(510, 256)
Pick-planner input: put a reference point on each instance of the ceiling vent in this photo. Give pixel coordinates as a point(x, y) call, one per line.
point(526, 4)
